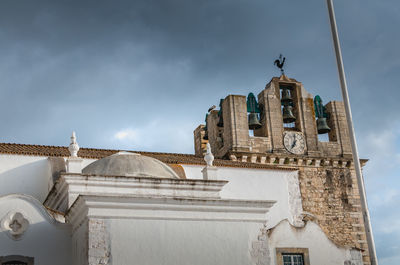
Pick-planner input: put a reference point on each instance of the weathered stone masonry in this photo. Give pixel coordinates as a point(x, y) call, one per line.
point(328, 185)
point(331, 196)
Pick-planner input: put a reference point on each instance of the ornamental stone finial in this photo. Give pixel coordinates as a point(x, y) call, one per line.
point(73, 147)
point(209, 158)
point(210, 171)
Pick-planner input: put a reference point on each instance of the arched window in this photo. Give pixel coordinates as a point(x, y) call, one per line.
point(16, 260)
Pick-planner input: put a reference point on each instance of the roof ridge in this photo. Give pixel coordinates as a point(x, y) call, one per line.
point(95, 149)
point(97, 153)
point(41, 145)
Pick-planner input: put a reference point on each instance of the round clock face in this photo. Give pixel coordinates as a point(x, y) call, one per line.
point(294, 142)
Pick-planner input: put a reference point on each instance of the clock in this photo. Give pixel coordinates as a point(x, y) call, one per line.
point(294, 142)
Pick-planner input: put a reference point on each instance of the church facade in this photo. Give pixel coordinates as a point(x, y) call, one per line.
point(261, 189)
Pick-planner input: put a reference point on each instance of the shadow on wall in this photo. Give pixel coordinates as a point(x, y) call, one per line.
point(31, 178)
point(27, 229)
point(45, 242)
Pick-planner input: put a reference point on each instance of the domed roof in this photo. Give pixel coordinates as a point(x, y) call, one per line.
point(130, 164)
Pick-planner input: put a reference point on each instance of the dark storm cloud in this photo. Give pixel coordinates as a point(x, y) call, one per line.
point(108, 58)
point(97, 55)
point(141, 74)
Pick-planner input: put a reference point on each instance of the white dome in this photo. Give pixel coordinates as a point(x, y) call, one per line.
point(130, 165)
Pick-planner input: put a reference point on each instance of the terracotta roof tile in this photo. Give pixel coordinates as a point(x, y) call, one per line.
point(169, 158)
point(178, 170)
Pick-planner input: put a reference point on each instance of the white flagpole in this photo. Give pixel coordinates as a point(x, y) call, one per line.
point(357, 166)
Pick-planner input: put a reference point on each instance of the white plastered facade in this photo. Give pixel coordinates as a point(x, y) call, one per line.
point(43, 237)
point(240, 218)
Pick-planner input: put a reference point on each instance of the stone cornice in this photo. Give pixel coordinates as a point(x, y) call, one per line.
point(289, 161)
point(166, 208)
point(70, 186)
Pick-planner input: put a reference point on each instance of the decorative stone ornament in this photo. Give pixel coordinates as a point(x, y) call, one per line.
point(73, 147)
point(74, 163)
point(210, 171)
point(15, 224)
point(209, 157)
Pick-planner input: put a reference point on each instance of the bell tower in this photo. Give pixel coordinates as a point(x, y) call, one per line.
point(284, 120)
point(279, 127)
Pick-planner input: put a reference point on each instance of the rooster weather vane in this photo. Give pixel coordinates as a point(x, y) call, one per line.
point(280, 62)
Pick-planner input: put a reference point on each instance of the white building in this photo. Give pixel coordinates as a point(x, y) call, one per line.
point(60, 206)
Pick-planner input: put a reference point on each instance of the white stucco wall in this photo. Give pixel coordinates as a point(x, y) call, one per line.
point(177, 242)
point(160, 241)
point(46, 240)
point(80, 244)
point(25, 175)
point(321, 249)
point(253, 184)
point(278, 185)
point(30, 175)
point(86, 161)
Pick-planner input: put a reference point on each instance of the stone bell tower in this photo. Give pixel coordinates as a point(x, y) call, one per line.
point(280, 128)
point(284, 108)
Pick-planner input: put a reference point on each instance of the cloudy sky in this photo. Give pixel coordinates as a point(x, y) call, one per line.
point(140, 75)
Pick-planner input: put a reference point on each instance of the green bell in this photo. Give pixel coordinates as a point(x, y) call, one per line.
point(322, 126)
point(254, 122)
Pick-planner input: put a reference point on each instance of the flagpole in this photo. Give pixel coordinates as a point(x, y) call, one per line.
point(357, 166)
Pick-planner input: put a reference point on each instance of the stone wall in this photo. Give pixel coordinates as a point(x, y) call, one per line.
point(199, 142)
point(339, 133)
point(332, 199)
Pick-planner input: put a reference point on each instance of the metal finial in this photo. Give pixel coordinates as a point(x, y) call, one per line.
point(280, 62)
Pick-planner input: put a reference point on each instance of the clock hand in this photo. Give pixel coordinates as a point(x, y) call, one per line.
point(294, 143)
